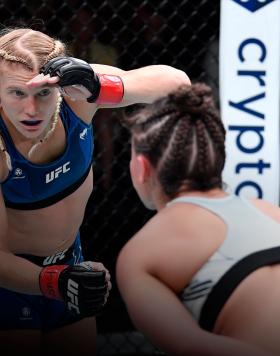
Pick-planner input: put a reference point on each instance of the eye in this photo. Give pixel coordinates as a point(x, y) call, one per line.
point(44, 92)
point(18, 92)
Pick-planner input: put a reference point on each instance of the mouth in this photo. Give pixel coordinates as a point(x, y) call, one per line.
point(31, 122)
point(31, 125)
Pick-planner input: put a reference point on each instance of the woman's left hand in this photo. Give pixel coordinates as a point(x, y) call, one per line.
point(75, 92)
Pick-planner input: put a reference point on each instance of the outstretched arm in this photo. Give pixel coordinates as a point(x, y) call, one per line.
point(97, 86)
point(146, 84)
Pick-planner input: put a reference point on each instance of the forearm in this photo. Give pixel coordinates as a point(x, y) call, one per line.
point(157, 312)
point(147, 84)
point(107, 86)
point(18, 274)
point(171, 330)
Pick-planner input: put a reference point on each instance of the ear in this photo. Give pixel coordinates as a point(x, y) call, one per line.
point(144, 168)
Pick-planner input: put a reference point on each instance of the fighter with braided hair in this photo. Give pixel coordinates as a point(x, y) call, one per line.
point(202, 277)
point(48, 295)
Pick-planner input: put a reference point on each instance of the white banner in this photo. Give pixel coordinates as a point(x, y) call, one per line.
point(249, 94)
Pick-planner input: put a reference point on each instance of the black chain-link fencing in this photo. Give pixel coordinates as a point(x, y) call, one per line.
point(127, 34)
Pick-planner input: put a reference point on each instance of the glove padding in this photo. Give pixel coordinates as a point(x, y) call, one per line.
point(84, 291)
point(74, 71)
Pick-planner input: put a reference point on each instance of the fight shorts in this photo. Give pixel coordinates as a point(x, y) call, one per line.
point(25, 311)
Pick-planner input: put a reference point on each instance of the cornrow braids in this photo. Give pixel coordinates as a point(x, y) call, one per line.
point(157, 134)
point(30, 48)
point(170, 163)
point(58, 50)
point(183, 137)
point(7, 57)
point(203, 161)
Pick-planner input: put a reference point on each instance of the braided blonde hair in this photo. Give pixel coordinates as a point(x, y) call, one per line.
point(54, 121)
point(32, 49)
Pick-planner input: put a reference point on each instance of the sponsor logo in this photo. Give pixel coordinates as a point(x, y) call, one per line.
point(72, 293)
point(83, 134)
point(57, 172)
point(253, 5)
point(54, 258)
point(18, 174)
point(249, 138)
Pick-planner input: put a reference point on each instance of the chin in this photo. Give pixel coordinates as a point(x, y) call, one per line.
point(33, 134)
point(30, 135)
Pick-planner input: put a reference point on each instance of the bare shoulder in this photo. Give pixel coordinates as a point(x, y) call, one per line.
point(267, 208)
point(172, 246)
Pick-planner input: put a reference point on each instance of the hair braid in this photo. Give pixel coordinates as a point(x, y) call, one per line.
point(203, 161)
point(7, 57)
point(28, 47)
point(217, 132)
point(58, 49)
point(157, 133)
point(54, 122)
point(173, 160)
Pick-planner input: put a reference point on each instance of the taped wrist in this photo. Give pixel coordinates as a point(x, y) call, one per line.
point(49, 281)
point(111, 89)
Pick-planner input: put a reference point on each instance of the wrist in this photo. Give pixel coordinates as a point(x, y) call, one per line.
point(111, 89)
point(48, 281)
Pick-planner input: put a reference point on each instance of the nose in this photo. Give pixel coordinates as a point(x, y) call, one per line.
point(31, 106)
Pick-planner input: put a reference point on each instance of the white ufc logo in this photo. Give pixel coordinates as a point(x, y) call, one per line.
point(55, 173)
point(54, 258)
point(72, 293)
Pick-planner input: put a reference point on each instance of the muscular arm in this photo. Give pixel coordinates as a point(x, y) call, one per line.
point(143, 85)
point(146, 84)
point(87, 91)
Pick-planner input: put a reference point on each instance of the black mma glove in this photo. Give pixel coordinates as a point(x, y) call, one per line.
point(84, 291)
point(74, 71)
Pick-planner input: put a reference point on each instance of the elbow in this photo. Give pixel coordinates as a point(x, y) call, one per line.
point(177, 77)
point(182, 78)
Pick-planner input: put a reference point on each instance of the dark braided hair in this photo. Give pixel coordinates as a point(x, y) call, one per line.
point(183, 137)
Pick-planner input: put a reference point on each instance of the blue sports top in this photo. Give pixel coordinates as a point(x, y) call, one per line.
point(33, 186)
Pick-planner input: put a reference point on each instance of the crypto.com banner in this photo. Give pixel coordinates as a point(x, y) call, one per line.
point(249, 89)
